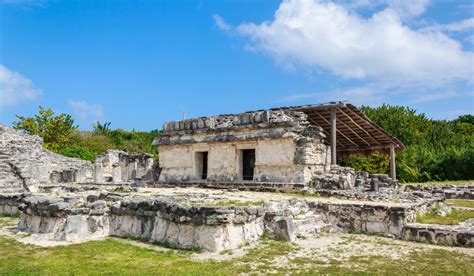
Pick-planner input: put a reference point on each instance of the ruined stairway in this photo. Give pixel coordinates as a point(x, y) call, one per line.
point(9, 181)
point(310, 225)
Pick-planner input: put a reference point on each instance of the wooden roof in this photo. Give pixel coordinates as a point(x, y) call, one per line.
point(354, 131)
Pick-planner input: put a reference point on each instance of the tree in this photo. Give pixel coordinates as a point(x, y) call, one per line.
point(56, 130)
point(103, 129)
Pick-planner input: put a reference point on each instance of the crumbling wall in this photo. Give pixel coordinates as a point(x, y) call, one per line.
point(119, 166)
point(452, 235)
point(9, 203)
point(151, 219)
point(25, 163)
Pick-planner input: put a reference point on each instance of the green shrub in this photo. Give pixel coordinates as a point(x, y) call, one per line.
point(78, 152)
point(435, 150)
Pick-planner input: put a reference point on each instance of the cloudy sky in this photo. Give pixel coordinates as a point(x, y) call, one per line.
point(141, 63)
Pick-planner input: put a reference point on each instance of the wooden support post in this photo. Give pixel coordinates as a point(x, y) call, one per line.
point(393, 169)
point(333, 137)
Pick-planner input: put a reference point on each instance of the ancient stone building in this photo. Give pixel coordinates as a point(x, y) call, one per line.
point(290, 145)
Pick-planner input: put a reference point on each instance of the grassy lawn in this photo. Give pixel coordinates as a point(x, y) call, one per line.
point(461, 202)
point(454, 217)
point(441, 183)
point(111, 256)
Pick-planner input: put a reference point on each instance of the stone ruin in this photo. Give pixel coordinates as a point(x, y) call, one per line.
point(241, 157)
point(25, 165)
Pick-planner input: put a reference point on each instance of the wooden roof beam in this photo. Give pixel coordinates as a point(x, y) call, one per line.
point(361, 128)
point(338, 131)
point(326, 133)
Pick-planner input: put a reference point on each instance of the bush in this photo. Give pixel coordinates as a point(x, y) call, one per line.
point(435, 149)
point(78, 152)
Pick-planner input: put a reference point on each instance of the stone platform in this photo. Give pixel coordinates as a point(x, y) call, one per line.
point(211, 219)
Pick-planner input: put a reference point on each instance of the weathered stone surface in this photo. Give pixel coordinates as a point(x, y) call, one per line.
point(25, 165)
point(447, 191)
point(453, 235)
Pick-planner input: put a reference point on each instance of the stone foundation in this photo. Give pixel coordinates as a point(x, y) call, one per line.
point(452, 235)
point(209, 228)
point(446, 191)
point(369, 218)
point(9, 203)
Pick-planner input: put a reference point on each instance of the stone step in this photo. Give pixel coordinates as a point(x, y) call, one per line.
point(310, 226)
point(11, 191)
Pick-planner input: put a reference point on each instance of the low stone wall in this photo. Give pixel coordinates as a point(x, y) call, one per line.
point(453, 235)
point(380, 219)
point(9, 203)
point(78, 219)
point(241, 186)
point(447, 191)
point(59, 220)
point(210, 228)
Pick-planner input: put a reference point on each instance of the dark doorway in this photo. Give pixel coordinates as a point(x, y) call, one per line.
point(201, 164)
point(248, 163)
point(204, 165)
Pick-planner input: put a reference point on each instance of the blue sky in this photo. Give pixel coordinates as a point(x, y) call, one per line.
point(141, 63)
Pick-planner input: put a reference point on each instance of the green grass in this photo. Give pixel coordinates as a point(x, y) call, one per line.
point(13, 216)
point(8, 220)
point(461, 202)
point(442, 183)
point(453, 217)
point(437, 262)
point(111, 256)
point(229, 203)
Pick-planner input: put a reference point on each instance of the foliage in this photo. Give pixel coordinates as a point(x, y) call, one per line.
point(94, 143)
point(435, 149)
point(78, 152)
point(55, 130)
point(100, 128)
point(61, 136)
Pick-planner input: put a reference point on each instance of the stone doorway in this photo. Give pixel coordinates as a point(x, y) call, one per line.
point(248, 164)
point(202, 164)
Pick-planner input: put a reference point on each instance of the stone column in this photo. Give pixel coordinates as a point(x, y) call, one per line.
point(99, 173)
point(333, 137)
point(393, 168)
point(116, 173)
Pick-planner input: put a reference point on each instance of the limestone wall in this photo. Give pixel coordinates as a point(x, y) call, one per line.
point(452, 235)
point(274, 162)
point(25, 165)
point(119, 166)
point(381, 219)
point(151, 219)
point(9, 203)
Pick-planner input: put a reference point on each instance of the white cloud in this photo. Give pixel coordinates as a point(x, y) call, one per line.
point(15, 88)
point(430, 97)
point(321, 34)
point(367, 95)
point(87, 112)
point(405, 8)
point(459, 26)
point(408, 8)
point(220, 23)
